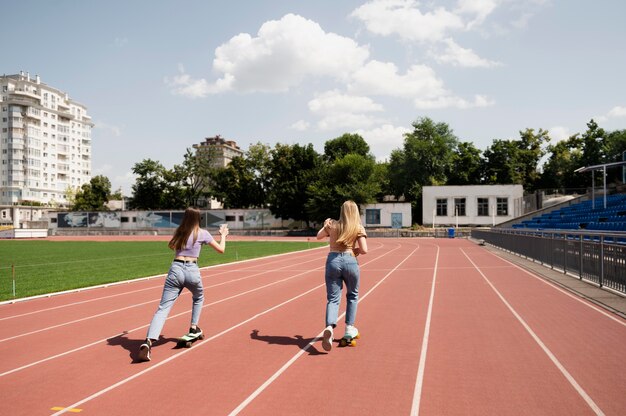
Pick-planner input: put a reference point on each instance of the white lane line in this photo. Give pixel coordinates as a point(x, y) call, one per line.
point(293, 359)
point(126, 380)
point(150, 301)
point(419, 381)
point(543, 346)
point(565, 292)
point(141, 279)
point(145, 326)
point(167, 360)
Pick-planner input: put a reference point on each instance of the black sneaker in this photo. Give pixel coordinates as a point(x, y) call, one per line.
point(144, 350)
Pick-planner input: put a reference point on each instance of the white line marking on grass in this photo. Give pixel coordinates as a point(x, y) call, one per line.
point(565, 292)
point(139, 279)
point(543, 346)
point(293, 359)
point(155, 300)
point(419, 381)
point(126, 380)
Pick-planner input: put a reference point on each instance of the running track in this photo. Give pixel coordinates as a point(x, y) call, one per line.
point(448, 328)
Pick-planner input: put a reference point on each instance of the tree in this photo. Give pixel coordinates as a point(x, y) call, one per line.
point(353, 176)
point(466, 164)
point(344, 145)
point(94, 195)
point(198, 170)
point(565, 158)
point(149, 186)
point(292, 169)
point(236, 187)
point(427, 159)
point(614, 147)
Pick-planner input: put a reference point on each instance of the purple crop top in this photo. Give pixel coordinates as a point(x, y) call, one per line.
point(193, 249)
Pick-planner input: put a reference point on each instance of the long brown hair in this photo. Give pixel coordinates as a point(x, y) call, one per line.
point(349, 223)
point(189, 224)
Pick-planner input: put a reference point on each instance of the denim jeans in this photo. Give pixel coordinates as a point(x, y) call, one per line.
point(180, 276)
point(341, 268)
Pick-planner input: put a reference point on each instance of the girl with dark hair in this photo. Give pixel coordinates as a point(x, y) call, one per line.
point(184, 273)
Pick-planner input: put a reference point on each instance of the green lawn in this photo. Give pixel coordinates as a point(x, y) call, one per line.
point(53, 266)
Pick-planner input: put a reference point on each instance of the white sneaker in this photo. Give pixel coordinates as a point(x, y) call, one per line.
point(144, 351)
point(351, 331)
point(327, 340)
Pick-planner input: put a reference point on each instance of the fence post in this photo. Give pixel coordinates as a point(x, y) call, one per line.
point(13, 276)
point(601, 260)
point(580, 268)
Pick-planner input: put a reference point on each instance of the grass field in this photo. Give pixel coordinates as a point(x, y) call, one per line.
point(52, 266)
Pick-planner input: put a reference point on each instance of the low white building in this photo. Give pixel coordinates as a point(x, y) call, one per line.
point(387, 215)
point(467, 205)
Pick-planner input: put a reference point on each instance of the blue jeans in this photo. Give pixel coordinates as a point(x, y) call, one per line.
point(341, 268)
point(180, 276)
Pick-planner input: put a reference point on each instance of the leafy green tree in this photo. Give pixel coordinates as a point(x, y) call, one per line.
point(426, 159)
point(94, 195)
point(198, 170)
point(149, 185)
point(353, 176)
point(558, 171)
point(466, 165)
point(236, 185)
point(501, 164)
point(614, 147)
point(344, 145)
point(292, 169)
point(592, 145)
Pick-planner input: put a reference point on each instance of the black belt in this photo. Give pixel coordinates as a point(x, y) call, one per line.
point(186, 261)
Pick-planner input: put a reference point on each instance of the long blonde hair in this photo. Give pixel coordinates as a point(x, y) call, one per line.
point(189, 224)
point(349, 223)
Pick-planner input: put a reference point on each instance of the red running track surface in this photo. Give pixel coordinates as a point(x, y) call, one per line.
point(448, 328)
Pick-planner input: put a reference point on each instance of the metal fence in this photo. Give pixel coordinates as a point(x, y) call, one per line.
point(597, 257)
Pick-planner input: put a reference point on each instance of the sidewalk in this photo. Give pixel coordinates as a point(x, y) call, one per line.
point(606, 298)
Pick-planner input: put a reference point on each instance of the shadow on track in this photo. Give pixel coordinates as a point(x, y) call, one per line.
point(296, 340)
point(132, 345)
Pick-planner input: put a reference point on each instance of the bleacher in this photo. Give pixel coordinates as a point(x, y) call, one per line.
point(583, 216)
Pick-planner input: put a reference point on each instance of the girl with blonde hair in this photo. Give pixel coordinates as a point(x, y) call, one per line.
point(184, 273)
point(347, 241)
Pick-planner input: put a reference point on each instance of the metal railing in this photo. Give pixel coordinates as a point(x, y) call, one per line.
point(597, 257)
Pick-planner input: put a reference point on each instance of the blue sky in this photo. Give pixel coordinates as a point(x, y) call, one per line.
point(159, 76)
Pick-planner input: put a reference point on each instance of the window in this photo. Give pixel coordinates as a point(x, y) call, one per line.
point(372, 216)
point(483, 207)
point(502, 206)
point(442, 207)
point(241, 218)
point(231, 218)
point(124, 219)
point(459, 206)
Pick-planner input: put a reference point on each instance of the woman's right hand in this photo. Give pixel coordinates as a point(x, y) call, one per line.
point(223, 230)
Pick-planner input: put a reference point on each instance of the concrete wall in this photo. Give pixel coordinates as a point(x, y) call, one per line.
point(512, 193)
point(387, 211)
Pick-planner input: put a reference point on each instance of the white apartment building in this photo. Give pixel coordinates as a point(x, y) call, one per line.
point(45, 142)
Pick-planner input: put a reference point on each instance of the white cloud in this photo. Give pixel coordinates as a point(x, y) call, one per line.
point(300, 125)
point(450, 101)
point(558, 133)
point(403, 18)
point(420, 84)
point(382, 140)
point(281, 56)
point(382, 78)
point(458, 56)
point(480, 9)
point(110, 128)
point(617, 112)
point(342, 111)
point(333, 101)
